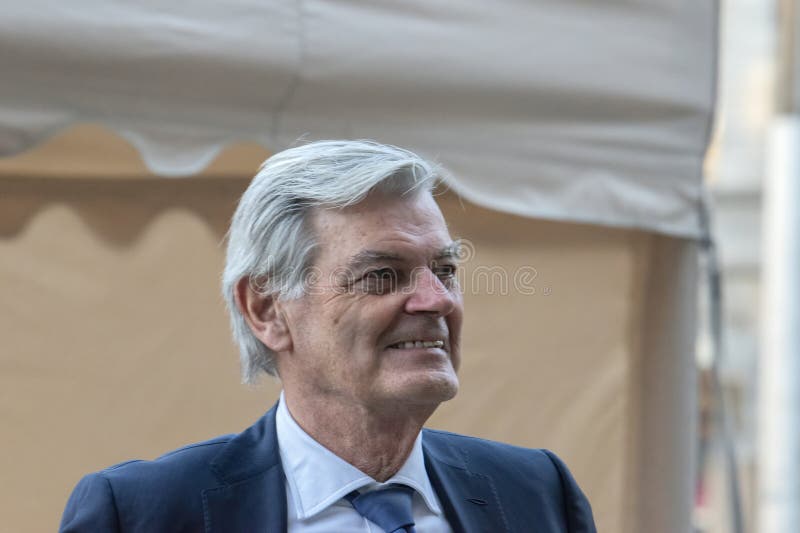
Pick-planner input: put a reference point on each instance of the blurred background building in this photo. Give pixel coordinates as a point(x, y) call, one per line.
point(757, 65)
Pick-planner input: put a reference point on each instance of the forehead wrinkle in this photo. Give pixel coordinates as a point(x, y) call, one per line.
point(396, 237)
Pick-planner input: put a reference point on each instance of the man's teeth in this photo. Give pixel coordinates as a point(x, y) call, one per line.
point(407, 345)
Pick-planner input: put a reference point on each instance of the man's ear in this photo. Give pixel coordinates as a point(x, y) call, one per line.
point(264, 315)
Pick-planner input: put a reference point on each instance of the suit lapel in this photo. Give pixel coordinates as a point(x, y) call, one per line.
point(468, 498)
point(252, 496)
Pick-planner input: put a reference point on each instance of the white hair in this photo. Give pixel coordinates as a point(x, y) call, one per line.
point(270, 240)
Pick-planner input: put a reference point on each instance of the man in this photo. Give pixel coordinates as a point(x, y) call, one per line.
point(341, 280)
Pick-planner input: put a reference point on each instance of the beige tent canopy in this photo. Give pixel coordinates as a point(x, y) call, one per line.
point(583, 111)
point(592, 115)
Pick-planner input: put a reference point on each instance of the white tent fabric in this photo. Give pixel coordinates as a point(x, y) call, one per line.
point(565, 109)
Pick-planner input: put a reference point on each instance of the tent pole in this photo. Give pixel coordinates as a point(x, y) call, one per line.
point(667, 423)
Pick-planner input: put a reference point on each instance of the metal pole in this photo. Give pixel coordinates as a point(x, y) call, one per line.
point(723, 414)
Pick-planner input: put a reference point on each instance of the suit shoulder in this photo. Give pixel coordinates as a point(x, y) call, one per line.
point(512, 460)
point(513, 463)
point(143, 495)
point(190, 460)
point(525, 478)
point(476, 445)
point(188, 453)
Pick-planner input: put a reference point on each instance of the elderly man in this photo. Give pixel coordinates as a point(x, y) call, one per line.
point(341, 280)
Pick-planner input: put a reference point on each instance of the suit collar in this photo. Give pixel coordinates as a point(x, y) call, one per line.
point(468, 497)
point(252, 495)
point(316, 478)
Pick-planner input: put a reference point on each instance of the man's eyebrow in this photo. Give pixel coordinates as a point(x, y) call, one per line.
point(366, 258)
point(451, 251)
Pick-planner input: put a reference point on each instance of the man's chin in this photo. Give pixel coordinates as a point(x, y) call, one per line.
point(431, 390)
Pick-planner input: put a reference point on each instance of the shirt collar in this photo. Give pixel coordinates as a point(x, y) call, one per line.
point(317, 477)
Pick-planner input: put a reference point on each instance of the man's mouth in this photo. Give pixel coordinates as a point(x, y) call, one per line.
point(408, 345)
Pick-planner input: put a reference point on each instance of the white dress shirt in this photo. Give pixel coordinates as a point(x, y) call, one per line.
point(317, 481)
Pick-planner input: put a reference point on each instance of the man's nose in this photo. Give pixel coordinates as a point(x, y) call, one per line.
point(429, 294)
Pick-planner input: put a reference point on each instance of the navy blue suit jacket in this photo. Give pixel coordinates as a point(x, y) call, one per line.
point(235, 483)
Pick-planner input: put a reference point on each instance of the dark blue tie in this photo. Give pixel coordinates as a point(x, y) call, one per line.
point(389, 508)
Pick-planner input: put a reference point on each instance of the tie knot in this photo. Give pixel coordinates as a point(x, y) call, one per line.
point(389, 508)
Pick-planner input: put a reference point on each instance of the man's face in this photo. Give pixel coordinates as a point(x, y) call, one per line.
point(381, 323)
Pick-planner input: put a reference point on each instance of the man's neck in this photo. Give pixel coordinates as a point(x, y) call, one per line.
point(376, 441)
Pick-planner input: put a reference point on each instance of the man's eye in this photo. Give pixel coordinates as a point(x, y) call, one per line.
point(445, 272)
point(380, 281)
